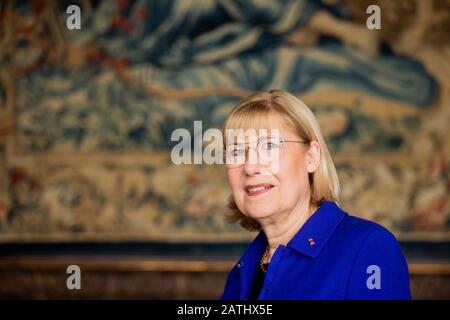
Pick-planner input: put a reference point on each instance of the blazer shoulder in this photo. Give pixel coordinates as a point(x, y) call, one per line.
point(372, 240)
point(357, 233)
point(377, 254)
point(363, 228)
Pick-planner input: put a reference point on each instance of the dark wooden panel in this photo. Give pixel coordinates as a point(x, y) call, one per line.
point(142, 278)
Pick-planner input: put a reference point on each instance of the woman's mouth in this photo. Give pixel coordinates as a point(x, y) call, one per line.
point(257, 189)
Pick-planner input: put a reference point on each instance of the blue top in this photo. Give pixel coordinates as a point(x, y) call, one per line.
point(333, 256)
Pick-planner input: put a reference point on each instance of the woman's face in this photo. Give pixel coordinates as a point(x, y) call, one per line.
point(264, 189)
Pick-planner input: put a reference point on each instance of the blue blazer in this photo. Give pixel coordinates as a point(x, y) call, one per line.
point(333, 256)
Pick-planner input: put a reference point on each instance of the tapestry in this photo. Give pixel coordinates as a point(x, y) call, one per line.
point(87, 114)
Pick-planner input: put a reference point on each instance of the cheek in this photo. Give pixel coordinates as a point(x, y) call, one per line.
point(234, 180)
point(293, 175)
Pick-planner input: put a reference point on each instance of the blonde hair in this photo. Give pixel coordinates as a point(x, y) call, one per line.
point(253, 112)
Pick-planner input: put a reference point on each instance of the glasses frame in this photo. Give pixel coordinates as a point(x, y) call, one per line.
point(247, 148)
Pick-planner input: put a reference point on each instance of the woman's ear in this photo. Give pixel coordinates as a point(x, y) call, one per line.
point(313, 156)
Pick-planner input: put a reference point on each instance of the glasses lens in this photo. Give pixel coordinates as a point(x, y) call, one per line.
point(235, 154)
point(269, 149)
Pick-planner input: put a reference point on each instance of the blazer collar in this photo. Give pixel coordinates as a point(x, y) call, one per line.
point(316, 231)
point(309, 240)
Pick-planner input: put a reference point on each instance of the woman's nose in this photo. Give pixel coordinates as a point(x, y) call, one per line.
point(252, 165)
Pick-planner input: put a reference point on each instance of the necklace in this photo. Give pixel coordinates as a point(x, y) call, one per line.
point(261, 263)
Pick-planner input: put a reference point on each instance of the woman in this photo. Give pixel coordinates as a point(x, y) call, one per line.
point(285, 185)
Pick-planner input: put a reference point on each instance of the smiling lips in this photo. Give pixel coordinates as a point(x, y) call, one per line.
point(257, 189)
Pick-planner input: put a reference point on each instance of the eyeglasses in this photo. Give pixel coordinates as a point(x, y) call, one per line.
point(267, 150)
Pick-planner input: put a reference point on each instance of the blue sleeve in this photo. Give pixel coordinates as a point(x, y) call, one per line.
point(380, 271)
point(231, 290)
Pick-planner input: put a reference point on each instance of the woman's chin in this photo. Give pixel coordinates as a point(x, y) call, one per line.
point(260, 211)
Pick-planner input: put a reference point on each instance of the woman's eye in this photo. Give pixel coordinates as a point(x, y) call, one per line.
point(237, 152)
point(270, 146)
